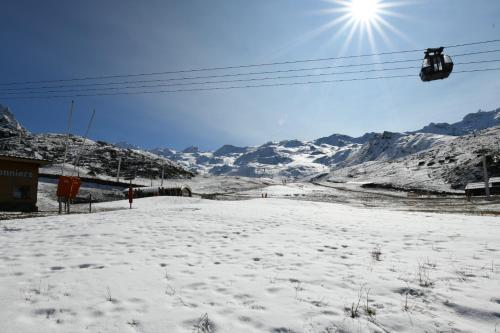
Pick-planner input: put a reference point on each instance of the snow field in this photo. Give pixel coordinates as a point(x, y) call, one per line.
point(264, 265)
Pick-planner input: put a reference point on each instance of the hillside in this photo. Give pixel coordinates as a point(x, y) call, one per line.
point(450, 164)
point(98, 158)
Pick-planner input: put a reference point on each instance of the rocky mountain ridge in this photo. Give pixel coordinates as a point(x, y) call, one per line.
point(471, 123)
point(9, 125)
point(294, 158)
point(95, 158)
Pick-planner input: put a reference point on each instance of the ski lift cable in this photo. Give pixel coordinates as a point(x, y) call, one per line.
point(224, 75)
point(238, 80)
point(236, 74)
point(474, 53)
point(242, 66)
point(472, 43)
point(213, 82)
point(241, 87)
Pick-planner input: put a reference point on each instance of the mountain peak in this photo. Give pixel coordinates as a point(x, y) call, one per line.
point(472, 122)
point(9, 126)
point(191, 149)
point(126, 145)
point(7, 119)
point(229, 149)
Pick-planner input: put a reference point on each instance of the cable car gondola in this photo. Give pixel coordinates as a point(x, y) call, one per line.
point(436, 65)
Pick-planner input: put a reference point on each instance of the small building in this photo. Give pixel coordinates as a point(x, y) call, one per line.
point(19, 183)
point(477, 189)
point(142, 192)
point(495, 182)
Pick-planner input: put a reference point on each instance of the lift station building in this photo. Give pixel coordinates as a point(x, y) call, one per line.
point(19, 183)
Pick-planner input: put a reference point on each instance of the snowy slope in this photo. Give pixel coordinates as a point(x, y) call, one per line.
point(189, 265)
point(444, 166)
point(390, 146)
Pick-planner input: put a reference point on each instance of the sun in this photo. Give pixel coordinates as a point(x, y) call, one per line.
point(366, 18)
point(364, 11)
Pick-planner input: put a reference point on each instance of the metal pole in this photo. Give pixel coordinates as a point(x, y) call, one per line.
point(130, 189)
point(151, 172)
point(118, 172)
point(67, 137)
point(90, 203)
point(486, 180)
point(162, 172)
point(83, 143)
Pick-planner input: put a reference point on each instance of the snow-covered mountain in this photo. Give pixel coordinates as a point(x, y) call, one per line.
point(294, 158)
point(471, 123)
point(8, 124)
point(449, 163)
point(390, 146)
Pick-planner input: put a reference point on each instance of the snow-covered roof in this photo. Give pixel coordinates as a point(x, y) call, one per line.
point(478, 185)
point(15, 158)
point(495, 180)
point(475, 186)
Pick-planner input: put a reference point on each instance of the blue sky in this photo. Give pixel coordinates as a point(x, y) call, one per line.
point(44, 40)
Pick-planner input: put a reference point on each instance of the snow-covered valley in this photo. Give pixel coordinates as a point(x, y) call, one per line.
point(260, 265)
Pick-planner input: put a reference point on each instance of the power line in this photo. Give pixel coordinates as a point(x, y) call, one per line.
point(478, 70)
point(241, 66)
point(221, 88)
point(238, 80)
point(224, 75)
point(243, 87)
point(213, 82)
point(232, 75)
point(473, 43)
point(473, 53)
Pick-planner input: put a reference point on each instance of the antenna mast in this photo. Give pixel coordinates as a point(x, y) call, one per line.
point(67, 137)
point(83, 143)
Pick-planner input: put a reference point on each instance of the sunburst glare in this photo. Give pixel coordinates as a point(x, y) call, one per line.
point(363, 17)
